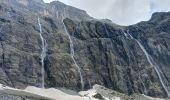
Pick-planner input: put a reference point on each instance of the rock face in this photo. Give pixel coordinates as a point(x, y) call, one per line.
point(106, 53)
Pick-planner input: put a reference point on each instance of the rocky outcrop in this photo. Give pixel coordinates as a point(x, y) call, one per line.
point(104, 52)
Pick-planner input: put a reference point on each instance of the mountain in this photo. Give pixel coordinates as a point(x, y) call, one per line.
point(61, 46)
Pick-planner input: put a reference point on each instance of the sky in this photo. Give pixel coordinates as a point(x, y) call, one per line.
point(122, 12)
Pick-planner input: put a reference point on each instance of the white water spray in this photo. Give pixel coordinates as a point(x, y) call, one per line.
point(160, 74)
point(72, 56)
point(43, 53)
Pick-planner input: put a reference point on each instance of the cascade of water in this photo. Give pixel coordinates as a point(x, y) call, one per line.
point(125, 34)
point(90, 84)
point(156, 67)
point(130, 35)
point(144, 90)
point(43, 53)
point(160, 74)
point(72, 56)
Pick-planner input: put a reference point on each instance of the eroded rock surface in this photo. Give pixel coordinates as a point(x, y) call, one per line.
point(104, 53)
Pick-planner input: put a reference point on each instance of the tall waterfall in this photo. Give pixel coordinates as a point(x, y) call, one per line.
point(43, 53)
point(160, 74)
point(151, 61)
point(72, 56)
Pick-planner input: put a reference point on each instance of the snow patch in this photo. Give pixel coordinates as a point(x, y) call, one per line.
point(90, 94)
point(152, 98)
point(56, 94)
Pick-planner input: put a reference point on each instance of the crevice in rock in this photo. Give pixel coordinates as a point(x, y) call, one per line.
point(3, 66)
point(52, 23)
point(109, 72)
point(51, 82)
point(129, 81)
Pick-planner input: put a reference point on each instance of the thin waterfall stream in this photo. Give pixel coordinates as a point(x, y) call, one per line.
point(156, 67)
point(72, 56)
point(43, 53)
point(144, 87)
point(160, 74)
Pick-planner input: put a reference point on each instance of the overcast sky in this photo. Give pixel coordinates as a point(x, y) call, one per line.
point(122, 12)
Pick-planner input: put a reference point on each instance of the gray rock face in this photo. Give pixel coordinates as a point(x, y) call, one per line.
point(110, 58)
point(103, 52)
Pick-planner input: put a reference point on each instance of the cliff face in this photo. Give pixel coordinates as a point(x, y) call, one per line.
point(132, 59)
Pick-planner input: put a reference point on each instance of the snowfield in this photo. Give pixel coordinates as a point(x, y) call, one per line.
point(56, 94)
point(50, 94)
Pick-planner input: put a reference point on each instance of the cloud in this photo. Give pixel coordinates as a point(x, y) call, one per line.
point(123, 12)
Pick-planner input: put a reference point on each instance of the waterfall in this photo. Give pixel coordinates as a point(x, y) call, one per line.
point(127, 35)
point(43, 53)
point(151, 61)
point(144, 87)
point(160, 74)
point(72, 56)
